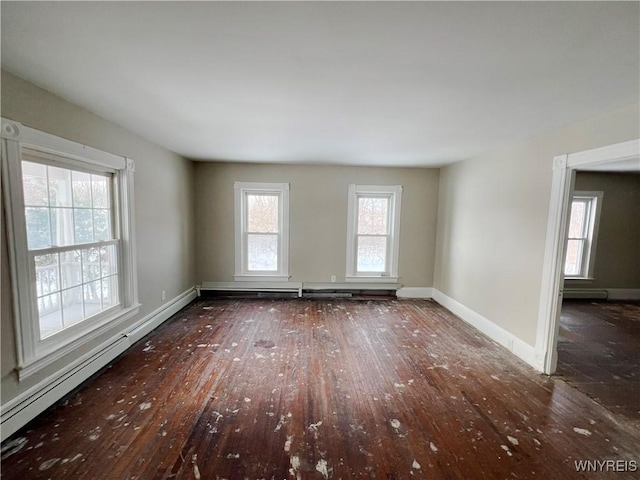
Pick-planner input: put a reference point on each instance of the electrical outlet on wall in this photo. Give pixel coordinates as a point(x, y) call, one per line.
point(333, 279)
point(163, 295)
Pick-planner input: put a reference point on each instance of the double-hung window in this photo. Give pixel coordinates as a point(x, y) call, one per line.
point(582, 234)
point(71, 242)
point(373, 232)
point(262, 231)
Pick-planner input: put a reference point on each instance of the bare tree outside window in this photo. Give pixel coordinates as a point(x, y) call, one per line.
point(372, 234)
point(262, 232)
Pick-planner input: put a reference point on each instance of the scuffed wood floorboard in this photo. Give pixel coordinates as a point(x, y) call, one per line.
point(319, 388)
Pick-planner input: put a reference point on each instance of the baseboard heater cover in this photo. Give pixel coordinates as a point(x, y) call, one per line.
point(18, 411)
point(303, 289)
point(575, 293)
point(613, 294)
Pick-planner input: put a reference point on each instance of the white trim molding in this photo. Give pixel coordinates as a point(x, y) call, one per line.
point(47, 143)
point(592, 201)
point(496, 333)
point(415, 292)
point(242, 271)
point(551, 292)
point(18, 411)
point(34, 351)
point(393, 193)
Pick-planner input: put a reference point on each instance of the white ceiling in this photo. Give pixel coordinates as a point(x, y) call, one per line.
point(366, 83)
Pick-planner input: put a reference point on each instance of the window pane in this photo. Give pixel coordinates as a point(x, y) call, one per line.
point(262, 213)
point(81, 189)
point(90, 264)
point(372, 254)
point(108, 260)
point(373, 216)
point(50, 314)
point(72, 306)
point(577, 219)
point(101, 225)
point(71, 268)
point(573, 262)
point(100, 191)
point(83, 225)
point(262, 253)
point(59, 187)
point(47, 278)
point(38, 232)
point(92, 298)
point(34, 184)
point(62, 226)
point(110, 291)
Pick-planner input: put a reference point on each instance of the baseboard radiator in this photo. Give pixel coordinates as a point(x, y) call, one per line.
point(296, 289)
point(18, 411)
point(585, 294)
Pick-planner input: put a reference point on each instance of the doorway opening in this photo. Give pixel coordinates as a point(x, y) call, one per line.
point(599, 332)
point(621, 157)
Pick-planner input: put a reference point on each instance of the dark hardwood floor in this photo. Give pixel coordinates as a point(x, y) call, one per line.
point(318, 389)
point(599, 353)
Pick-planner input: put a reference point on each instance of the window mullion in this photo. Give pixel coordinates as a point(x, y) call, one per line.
point(46, 179)
point(60, 290)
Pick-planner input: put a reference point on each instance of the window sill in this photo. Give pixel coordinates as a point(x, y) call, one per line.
point(76, 341)
point(580, 279)
point(371, 279)
point(261, 277)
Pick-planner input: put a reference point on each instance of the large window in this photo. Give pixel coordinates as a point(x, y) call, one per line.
point(72, 242)
point(583, 233)
point(262, 231)
point(71, 239)
point(373, 232)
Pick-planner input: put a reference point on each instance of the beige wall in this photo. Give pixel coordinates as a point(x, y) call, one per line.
point(617, 263)
point(318, 218)
point(163, 208)
point(492, 221)
point(490, 213)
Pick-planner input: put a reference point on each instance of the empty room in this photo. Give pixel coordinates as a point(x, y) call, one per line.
point(320, 240)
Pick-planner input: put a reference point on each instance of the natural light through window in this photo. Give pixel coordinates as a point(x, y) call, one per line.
point(69, 233)
point(262, 218)
point(373, 232)
point(582, 234)
point(262, 233)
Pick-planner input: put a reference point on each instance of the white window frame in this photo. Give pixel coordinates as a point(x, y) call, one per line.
point(593, 201)
point(242, 189)
point(394, 194)
point(33, 353)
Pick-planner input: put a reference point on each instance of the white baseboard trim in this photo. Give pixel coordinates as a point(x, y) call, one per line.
point(415, 292)
point(496, 333)
point(23, 408)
